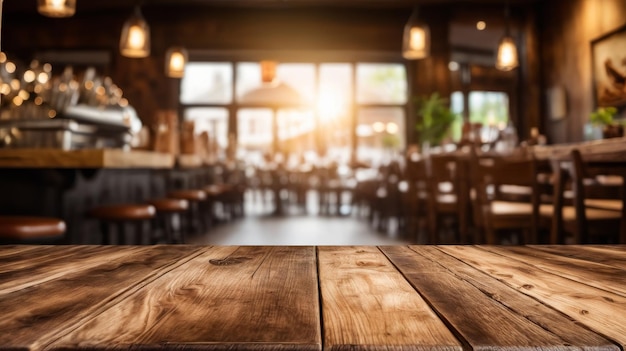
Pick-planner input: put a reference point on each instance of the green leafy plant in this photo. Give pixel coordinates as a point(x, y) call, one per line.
point(434, 118)
point(603, 115)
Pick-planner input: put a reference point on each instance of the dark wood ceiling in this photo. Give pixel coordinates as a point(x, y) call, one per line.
point(25, 6)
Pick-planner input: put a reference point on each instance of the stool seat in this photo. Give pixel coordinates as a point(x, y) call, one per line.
point(169, 220)
point(197, 216)
point(26, 228)
point(114, 219)
point(124, 212)
point(188, 194)
point(170, 204)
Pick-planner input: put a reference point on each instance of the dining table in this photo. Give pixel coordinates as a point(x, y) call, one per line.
point(341, 298)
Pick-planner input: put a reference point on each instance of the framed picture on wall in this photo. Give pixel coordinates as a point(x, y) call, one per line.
point(608, 58)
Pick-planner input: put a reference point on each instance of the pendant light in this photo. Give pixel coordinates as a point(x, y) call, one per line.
point(56, 8)
point(416, 38)
point(507, 51)
point(175, 61)
point(268, 71)
point(135, 40)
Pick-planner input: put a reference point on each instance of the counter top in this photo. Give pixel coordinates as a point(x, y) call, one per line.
point(183, 297)
point(86, 158)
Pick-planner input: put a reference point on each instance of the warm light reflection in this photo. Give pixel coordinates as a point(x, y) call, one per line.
point(136, 38)
point(10, 67)
point(43, 77)
point(56, 8)
point(507, 54)
point(481, 25)
point(29, 76)
point(175, 62)
point(331, 104)
point(378, 127)
point(418, 38)
point(392, 128)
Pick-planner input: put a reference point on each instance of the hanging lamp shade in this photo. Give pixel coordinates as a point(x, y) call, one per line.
point(268, 71)
point(135, 40)
point(507, 58)
point(507, 54)
point(175, 62)
point(56, 8)
point(416, 38)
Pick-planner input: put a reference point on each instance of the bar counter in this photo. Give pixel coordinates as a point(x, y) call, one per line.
point(313, 298)
point(68, 183)
point(87, 158)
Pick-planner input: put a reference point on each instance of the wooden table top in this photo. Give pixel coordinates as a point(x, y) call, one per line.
point(392, 298)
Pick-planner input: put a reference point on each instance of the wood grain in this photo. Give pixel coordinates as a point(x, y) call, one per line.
point(240, 298)
point(33, 316)
point(485, 312)
point(86, 158)
point(368, 305)
point(42, 266)
point(595, 274)
point(608, 255)
point(600, 310)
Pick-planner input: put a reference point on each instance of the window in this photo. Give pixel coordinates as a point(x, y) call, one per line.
point(487, 109)
point(325, 108)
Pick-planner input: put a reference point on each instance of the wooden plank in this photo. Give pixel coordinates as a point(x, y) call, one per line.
point(484, 312)
point(32, 317)
point(86, 158)
point(42, 268)
point(239, 298)
point(608, 255)
point(600, 310)
point(368, 305)
point(595, 274)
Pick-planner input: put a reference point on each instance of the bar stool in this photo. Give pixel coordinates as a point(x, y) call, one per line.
point(169, 219)
point(115, 219)
point(31, 230)
point(197, 214)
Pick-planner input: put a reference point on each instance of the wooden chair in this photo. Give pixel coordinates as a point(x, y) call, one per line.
point(448, 195)
point(416, 197)
point(31, 230)
point(588, 220)
point(495, 211)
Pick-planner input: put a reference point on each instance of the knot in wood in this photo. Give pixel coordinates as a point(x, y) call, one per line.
point(228, 261)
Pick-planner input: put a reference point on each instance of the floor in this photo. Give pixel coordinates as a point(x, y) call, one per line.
point(298, 226)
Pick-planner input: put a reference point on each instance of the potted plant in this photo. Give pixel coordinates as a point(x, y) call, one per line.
point(604, 117)
point(434, 119)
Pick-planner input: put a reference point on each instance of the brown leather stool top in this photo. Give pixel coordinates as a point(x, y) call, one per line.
point(124, 212)
point(114, 219)
point(169, 212)
point(188, 194)
point(31, 228)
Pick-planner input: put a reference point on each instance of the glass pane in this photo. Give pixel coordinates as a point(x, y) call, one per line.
point(381, 83)
point(254, 134)
point(207, 83)
point(296, 133)
point(212, 120)
point(248, 78)
point(300, 76)
point(294, 84)
point(334, 106)
point(380, 134)
point(489, 108)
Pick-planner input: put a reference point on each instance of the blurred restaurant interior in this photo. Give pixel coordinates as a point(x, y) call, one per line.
point(158, 120)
